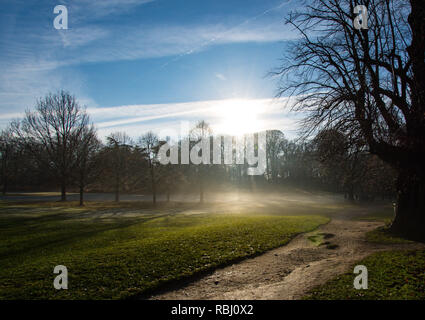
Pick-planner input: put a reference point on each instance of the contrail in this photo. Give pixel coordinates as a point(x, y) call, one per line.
point(213, 39)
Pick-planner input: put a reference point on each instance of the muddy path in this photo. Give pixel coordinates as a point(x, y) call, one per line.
point(291, 271)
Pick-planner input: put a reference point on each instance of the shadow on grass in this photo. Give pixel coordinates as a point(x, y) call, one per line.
point(178, 283)
point(21, 234)
point(384, 236)
point(165, 286)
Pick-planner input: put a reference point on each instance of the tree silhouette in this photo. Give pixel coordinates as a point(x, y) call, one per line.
point(368, 84)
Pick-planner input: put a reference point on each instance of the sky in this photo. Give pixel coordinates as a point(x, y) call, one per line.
point(140, 65)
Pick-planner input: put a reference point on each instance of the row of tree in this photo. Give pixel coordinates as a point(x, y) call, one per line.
point(56, 146)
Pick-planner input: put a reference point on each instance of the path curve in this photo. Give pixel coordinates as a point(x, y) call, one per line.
point(290, 271)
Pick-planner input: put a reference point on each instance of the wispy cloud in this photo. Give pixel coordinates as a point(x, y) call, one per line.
point(32, 53)
point(84, 10)
point(74, 38)
point(141, 42)
point(32, 62)
point(137, 119)
point(169, 118)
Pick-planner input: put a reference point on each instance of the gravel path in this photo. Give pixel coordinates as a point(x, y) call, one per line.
point(291, 271)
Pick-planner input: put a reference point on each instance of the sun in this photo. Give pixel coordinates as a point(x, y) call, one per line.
point(238, 117)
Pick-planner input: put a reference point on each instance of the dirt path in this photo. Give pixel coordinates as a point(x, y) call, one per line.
point(289, 272)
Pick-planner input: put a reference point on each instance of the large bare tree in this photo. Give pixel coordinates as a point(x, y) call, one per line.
point(52, 133)
point(369, 84)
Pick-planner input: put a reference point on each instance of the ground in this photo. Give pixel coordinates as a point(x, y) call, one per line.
point(291, 271)
point(184, 250)
point(122, 250)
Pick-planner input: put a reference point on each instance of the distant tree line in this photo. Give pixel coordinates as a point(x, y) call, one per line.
point(57, 147)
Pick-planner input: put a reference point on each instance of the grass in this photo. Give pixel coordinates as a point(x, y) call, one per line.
point(316, 239)
point(382, 235)
point(393, 275)
point(320, 238)
point(115, 252)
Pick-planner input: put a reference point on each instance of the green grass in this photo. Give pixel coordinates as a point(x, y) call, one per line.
point(382, 235)
point(319, 238)
point(316, 239)
point(393, 275)
point(115, 253)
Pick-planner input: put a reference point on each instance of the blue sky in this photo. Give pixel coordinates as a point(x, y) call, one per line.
point(157, 61)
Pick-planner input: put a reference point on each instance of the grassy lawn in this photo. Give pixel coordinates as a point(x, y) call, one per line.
point(382, 235)
point(120, 251)
point(393, 275)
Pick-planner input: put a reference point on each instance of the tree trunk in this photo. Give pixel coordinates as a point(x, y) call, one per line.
point(4, 177)
point(81, 195)
point(5, 185)
point(153, 185)
point(117, 190)
point(201, 187)
point(351, 194)
point(63, 191)
point(168, 195)
point(410, 207)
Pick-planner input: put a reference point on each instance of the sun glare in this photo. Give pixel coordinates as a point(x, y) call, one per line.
point(238, 117)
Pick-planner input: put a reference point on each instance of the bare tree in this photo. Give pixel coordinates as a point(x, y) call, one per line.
point(274, 150)
point(149, 143)
point(369, 84)
point(7, 144)
point(88, 162)
point(340, 163)
point(170, 178)
point(118, 155)
point(201, 131)
point(51, 133)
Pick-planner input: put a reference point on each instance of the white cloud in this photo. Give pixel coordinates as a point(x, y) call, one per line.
point(84, 10)
point(30, 62)
point(81, 36)
point(138, 119)
point(142, 42)
point(22, 83)
point(163, 118)
point(32, 71)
